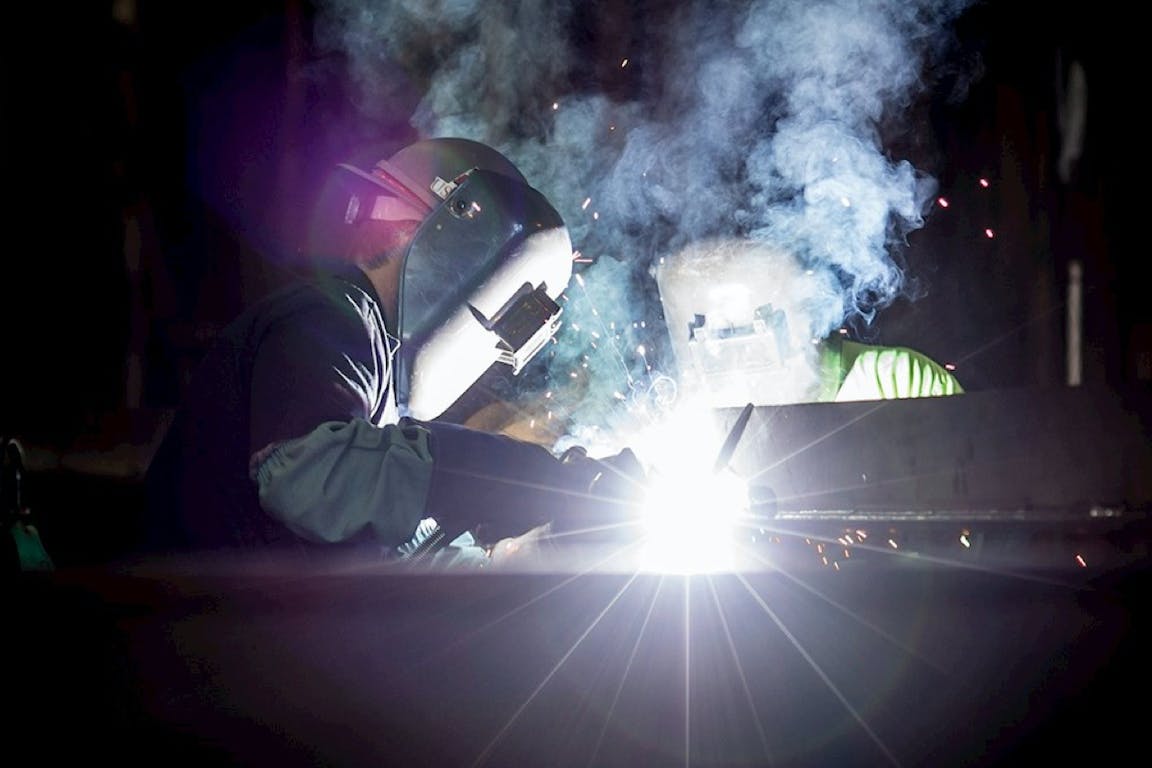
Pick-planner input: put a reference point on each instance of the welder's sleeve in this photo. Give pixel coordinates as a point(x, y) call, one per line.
point(501, 487)
point(889, 373)
point(348, 481)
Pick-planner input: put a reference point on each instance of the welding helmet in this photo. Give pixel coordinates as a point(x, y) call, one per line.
point(744, 320)
point(481, 276)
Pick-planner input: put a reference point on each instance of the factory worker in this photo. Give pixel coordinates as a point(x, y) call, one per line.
point(312, 423)
point(749, 324)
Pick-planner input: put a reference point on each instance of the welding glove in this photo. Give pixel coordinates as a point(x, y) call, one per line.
point(499, 487)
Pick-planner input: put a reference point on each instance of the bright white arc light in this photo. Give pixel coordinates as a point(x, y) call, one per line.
point(690, 521)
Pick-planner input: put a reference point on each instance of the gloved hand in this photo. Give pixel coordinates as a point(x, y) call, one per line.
point(616, 487)
point(619, 477)
point(498, 487)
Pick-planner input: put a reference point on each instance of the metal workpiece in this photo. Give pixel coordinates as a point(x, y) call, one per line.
point(1030, 454)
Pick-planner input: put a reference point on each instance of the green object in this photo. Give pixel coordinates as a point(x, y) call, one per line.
point(30, 549)
point(855, 371)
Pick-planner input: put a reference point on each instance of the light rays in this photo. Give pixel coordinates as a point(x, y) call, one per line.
point(815, 666)
point(487, 751)
point(739, 668)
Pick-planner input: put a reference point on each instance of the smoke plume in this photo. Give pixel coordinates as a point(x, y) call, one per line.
point(653, 125)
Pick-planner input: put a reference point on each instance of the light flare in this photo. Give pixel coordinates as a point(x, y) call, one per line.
point(691, 513)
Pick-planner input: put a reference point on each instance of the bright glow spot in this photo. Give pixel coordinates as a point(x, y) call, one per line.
point(555, 105)
point(984, 183)
point(640, 350)
point(584, 206)
point(1080, 560)
point(690, 513)
point(950, 366)
point(624, 63)
point(892, 543)
point(964, 540)
point(596, 215)
point(689, 519)
point(845, 202)
point(943, 202)
point(989, 234)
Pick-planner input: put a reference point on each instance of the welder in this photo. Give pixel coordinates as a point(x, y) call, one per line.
point(749, 322)
point(312, 423)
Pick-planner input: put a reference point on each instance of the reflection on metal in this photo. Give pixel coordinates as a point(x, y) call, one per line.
point(950, 515)
point(1075, 323)
point(1036, 454)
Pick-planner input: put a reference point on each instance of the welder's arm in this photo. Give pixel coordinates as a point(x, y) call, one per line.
point(499, 487)
point(348, 481)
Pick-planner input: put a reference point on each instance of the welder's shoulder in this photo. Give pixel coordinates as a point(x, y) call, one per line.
point(877, 372)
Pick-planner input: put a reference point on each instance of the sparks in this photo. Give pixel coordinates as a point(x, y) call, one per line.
point(892, 543)
point(950, 366)
point(984, 183)
point(586, 203)
point(988, 233)
point(964, 540)
point(1080, 560)
point(942, 202)
point(623, 63)
point(555, 106)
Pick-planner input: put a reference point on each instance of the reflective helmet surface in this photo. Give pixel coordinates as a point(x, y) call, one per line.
point(481, 275)
point(743, 319)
